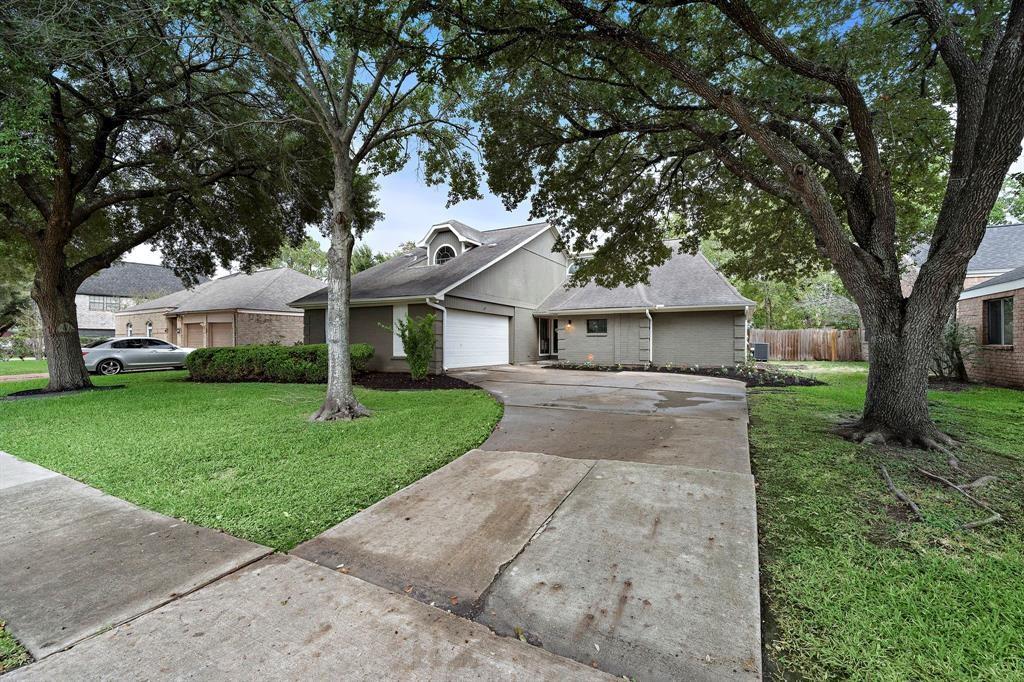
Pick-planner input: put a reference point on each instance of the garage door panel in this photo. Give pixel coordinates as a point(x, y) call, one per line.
point(475, 339)
point(221, 334)
point(193, 335)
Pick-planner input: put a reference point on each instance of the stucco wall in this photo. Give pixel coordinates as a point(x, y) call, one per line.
point(697, 338)
point(523, 279)
point(998, 365)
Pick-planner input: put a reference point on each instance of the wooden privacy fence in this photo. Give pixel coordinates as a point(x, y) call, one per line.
point(809, 344)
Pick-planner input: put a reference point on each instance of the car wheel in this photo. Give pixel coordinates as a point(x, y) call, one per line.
point(109, 367)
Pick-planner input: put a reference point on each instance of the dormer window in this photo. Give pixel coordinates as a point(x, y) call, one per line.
point(443, 255)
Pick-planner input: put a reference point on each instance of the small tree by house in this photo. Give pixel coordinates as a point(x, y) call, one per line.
point(418, 342)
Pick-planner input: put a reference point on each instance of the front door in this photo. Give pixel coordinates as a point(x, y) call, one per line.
point(544, 329)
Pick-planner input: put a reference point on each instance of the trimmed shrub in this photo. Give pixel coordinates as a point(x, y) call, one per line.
point(417, 335)
point(273, 364)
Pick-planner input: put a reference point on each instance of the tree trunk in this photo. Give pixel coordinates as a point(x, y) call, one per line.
point(896, 403)
point(54, 294)
point(340, 402)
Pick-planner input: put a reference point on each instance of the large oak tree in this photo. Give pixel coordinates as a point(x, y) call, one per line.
point(373, 81)
point(798, 132)
point(122, 124)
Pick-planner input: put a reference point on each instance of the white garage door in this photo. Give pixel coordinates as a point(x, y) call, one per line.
point(475, 339)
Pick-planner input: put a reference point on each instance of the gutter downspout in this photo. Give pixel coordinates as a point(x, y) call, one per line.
point(650, 336)
point(444, 331)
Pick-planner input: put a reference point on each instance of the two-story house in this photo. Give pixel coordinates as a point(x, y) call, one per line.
point(116, 288)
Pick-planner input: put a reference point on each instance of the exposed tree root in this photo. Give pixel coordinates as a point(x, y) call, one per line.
point(340, 410)
point(899, 494)
point(871, 433)
point(983, 481)
point(995, 518)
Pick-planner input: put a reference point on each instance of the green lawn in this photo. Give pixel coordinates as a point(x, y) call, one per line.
point(9, 367)
point(12, 654)
point(853, 588)
point(242, 457)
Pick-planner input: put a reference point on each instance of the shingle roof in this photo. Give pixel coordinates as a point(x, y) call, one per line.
point(133, 279)
point(1002, 248)
point(1005, 278)
point(261, 290)
point(409, 275)
point(683, 281)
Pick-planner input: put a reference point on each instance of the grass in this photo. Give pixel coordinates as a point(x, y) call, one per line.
point(854, 589)
point(9, 367)
point(243, 458)
point(12, 654)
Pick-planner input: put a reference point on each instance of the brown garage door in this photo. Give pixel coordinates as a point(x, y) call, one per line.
point(221, 334)
point(193, 335)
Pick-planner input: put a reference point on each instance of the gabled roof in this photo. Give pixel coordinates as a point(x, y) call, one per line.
point(133, 279)
point(269, 290)
point(1008, 281)
point(410, 276)
point(463, 231)
point(683, 281)
point(1001, 249)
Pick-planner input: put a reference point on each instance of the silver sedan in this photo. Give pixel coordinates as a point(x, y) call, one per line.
point(132, 352)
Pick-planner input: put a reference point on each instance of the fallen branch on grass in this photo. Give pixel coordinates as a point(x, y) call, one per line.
point(899, 494)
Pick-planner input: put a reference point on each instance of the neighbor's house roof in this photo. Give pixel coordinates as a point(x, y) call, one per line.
point(269, 290)
point(1009, 281)
point(409, 275)
point(132, 279)
point(684, 281)
point(1001, 249)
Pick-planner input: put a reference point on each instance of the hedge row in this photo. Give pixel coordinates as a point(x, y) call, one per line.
point(274, 364)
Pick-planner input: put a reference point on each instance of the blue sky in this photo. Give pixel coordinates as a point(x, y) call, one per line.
point(410, 208)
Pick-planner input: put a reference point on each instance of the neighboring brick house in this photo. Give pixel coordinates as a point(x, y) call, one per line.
point(236, 310)
point(995, 310)
point(118, 287)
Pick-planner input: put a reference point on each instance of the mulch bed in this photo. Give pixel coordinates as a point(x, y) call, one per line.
point(751, 376)
point(401, 381)
point(943, 384)
point(43, 393)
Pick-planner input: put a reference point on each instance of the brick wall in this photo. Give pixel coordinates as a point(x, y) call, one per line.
point(138, 322)
point(263, 328)
point(998, 365)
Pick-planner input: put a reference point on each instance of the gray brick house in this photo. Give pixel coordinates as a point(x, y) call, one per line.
point(118, 287)
point(234, 310)
point(501, 296)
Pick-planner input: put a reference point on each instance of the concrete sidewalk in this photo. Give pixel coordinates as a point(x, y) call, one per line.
point(75, 561)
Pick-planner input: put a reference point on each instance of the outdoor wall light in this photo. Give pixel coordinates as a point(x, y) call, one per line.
point(568, 325)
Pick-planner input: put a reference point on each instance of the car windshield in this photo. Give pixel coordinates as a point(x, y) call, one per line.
point(95, 343)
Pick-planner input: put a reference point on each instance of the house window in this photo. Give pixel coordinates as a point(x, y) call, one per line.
point(107, 303)
point(149, 328)
point(999, 322)
point(128, 329)
point(443, 255)
point(598, 326)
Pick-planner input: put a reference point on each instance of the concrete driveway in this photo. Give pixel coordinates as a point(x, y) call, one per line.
point(609, 519)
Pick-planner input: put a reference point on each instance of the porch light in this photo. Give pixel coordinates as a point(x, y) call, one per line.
point(568, 326)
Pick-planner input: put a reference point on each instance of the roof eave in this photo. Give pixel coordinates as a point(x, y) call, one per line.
point(640, 309)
